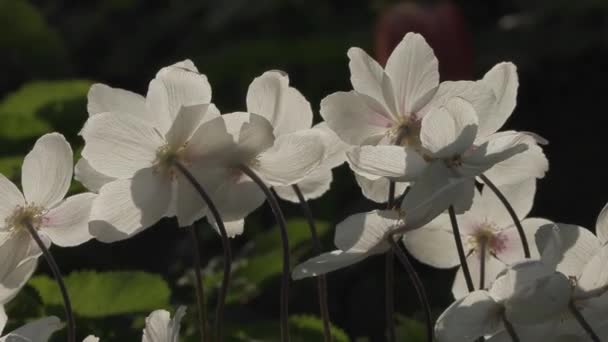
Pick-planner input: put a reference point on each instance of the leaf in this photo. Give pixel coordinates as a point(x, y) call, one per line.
point(106, 293)
point(410, 330)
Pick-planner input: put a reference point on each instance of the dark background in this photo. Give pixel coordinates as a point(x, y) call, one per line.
point(559, 46)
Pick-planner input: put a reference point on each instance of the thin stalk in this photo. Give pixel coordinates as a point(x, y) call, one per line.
point(418, 286)
point(322, 279)
point(509, 328)
point(67, 304)
point(512, 213)
point(389, 276)
point(221, 301)
point(583, 323)
point(200, 293)
point(278, 214)
point(482, 264)
point(460, 249)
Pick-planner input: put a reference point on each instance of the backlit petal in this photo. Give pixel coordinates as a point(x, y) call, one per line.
point(67, 224)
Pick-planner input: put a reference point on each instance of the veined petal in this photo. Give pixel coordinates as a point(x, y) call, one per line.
point(497, 149)
point(325, 263)
point(601, 226)
point(450, 130)
point(292, 158)
point(11, 198)
point(46, 173)
point(36, 331)
point(377, 190)
point(394, 162)
point(104, 99)
point(335, 148)
point(366, 232)
point(18, 260)
point(89, 177)
point(468, 318)
point(253, 134)
point(119, 145)
point(503, 81)
point(161, 328)
point(270, 96)
point(349, 115)
point(520, 196)
point(511, 249)
point(67, 224)
point(126, 207)
point(313, 186)
point(478, 95)
point(234, 194)
point(210, 143)
point(414, 71)
point(594, 276)
point(185, 124)
point(433, 244)
point(493, 267)
point(190, 206)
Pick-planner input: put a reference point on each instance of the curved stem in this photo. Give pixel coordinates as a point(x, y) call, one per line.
point(278, 213)
point(460, 249)
point(200, 293)
point(322, 279)
point(67, 304)
point(583, 323)
point(509, 328)
point(389, 277)
point(512, 213)
point(221, 301)
point(482, 264)
point(418, 286)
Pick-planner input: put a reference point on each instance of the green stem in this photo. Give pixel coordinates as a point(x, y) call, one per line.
point(200, 293)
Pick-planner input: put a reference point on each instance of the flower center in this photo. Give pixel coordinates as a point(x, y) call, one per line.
point(23, 216)
point(406, 133)
point(166, 157)
point(487, 237)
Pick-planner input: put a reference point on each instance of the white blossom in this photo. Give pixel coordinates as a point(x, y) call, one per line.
point(36, 331)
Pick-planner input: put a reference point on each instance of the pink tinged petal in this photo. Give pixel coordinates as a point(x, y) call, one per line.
point(36, 331)
point(353, 119)
point(118, 146)
point(11, 198)
point(325, 263)
point(291, 159)
point(186, 122)
point(393, 162)
point(126, 207)
point(594, 277)
point(520, 196)
point(493, 267)
point(450, 130)
point(270, 96)
point(497, 149)
point(313, 186)
point(413, 69)
point(104, 99)
point(601, 226)
point(433, 244)
point(67, 224)
point(579, 245)
point(508, 246)
point(478, 95)
point(468, 318)
point(503, 81)
point(233, 228)
point(366, 232)
point(89, 177)
point(46, 173)
point(377, 190)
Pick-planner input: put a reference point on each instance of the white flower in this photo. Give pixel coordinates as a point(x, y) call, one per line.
point(487, 225)
point(387, 106)
point(36, 331)
point(161, 328)
point(527, 294)
point(91, 338)
point(45, 178)
point(287, 110)
point(132, 144)
point(19, 255)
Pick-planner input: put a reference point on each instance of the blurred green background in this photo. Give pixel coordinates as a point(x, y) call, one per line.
point(52, 51)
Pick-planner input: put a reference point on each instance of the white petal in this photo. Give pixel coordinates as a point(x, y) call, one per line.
point(252, 132)
point(3, 319)
point(377, 190)
point(539, 332)
point(497, 149)
point(36, 331)
point(511, 250)
point(236, 196)
point(393, 162)
point(413, 68)
point(67, 224)
point(233, 228)
point(468, 318)
point(270, 96)
point(129, 206)
point(190, 206)
point(520, 196)
point(11, 198)
point(325, 263)
point(601, 226)
point(367, 77)
point(18, 260)
point(292, 158)
point(449, 131)
point(492, 266)
point(313, 186)
point(91, 338)
point(118, 146)
point(349, 115)
point(335, 148)
point(47, 171)
point(433, 244)
point(579, 245)
point(503, 81)
point(595, 273)
point(366, 232)
point(89, 177)
point(161, 328)
point(186, 122)
point(104, 99)
point(478, 95)
point(210, 143)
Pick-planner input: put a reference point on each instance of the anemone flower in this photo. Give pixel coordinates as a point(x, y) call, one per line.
point(19, 257)
point(36, 331)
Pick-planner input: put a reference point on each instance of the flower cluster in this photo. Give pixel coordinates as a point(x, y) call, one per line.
point(458, 190)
